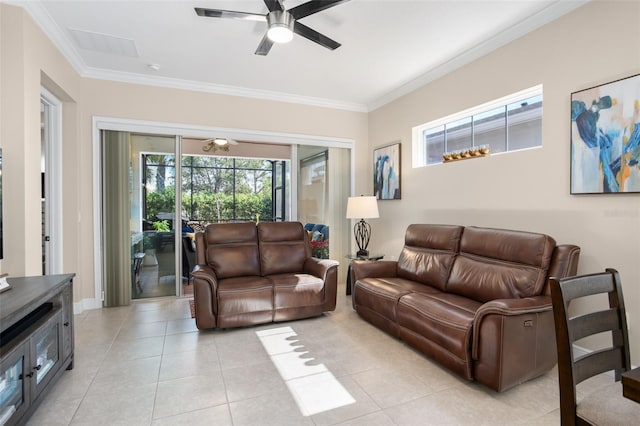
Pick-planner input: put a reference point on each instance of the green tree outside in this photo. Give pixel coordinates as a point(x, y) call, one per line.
point(215, 189)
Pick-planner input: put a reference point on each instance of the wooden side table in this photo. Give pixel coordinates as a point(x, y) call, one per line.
point(356, 257)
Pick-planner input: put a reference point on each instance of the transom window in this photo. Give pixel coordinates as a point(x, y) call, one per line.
point(507, 124)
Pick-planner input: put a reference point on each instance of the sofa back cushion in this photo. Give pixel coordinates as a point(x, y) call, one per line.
point(231, 249)
point(428, 253)
point(284, 247)
point(500, 264)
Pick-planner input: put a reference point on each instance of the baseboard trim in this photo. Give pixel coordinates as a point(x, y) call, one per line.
point(86, 304)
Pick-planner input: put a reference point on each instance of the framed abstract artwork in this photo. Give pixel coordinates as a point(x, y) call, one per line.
point(386, 172)
point(605, 138)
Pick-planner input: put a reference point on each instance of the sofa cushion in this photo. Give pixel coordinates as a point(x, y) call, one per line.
point(244, 300)
point(500, 264)
point(382, 294)
point(443, 318)
point(283, 247)
point(428, 253)
point(232, 249)
point(292, 290)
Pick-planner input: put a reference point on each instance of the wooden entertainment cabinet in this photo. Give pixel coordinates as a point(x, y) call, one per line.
point(36, 342)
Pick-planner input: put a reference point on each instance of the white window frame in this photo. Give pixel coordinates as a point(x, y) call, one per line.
point(418, 145)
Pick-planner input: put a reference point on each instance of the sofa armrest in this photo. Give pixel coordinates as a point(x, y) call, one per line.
point(205, 286)
point(205, 272)
point(361, 269)
point(327, 270)
point(507, 307)
point(513, 341)
point(319, 267)
point(564, 263)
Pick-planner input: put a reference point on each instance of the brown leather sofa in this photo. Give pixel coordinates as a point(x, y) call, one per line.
point(476, 300)
point(247, 274)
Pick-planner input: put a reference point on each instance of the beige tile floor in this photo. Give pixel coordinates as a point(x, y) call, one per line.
point(146, 364)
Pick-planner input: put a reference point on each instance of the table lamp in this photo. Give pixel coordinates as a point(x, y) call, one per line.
point(362, 207)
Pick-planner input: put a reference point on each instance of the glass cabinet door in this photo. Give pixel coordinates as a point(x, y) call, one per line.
point(13, 392)
point(67, 322)
point(46, 351)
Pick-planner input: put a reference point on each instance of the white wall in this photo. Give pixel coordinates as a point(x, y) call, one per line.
point(28, 60)
point(527, 190)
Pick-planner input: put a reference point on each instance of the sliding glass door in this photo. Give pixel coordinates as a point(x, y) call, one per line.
point(323, 189)
point(148, 248)
point(138, 226)
point(154, 215)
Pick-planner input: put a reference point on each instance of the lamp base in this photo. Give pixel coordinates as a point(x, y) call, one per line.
point(362, 232)
point(362, 253)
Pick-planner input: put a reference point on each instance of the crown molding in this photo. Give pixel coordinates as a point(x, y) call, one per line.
point(39, 14)
point(527, 25)
point(220, 89)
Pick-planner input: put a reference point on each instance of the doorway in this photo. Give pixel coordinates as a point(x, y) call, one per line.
point(144, 188)
point(50, 183)
point(139, 251)
point(155, 272)
point(260, 142)
point(323, 188)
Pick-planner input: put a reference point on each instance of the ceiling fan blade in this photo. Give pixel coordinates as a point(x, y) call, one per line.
point(274, 5)
point(314, 6)
point(315, 36)
point(265, 46)
point(218, 13)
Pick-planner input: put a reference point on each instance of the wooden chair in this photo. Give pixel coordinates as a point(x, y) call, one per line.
point(605, 406)
point(135, 276)
point(188, 258)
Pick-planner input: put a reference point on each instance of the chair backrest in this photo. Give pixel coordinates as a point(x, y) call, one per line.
point(428, 253)
point(284, 247)
point(572, 370)
point(188, 256)
point(506, 264)
point(231, 249)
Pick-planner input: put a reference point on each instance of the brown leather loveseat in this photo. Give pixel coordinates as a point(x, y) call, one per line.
point(474, 299)
point(249, 274)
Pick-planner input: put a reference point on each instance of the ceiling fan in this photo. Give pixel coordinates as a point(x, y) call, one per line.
point(281, 23)
point(218, 144)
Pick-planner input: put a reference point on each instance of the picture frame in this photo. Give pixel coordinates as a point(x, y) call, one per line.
point(387, 172)
point(605, 138)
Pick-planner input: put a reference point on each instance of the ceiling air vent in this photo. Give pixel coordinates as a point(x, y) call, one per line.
point(104, 43)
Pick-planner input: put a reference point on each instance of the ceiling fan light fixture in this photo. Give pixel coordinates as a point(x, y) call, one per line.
point(280, 26)
point(220, 141)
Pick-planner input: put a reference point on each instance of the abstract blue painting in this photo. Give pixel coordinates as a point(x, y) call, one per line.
point(386, 172)
point(605, 138)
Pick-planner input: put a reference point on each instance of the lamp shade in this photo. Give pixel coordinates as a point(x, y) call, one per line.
point(363, 207)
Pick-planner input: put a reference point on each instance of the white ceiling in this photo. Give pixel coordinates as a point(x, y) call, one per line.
point(389, 47)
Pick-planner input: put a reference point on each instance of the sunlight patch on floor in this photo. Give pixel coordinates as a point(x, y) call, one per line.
point(314, 388)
